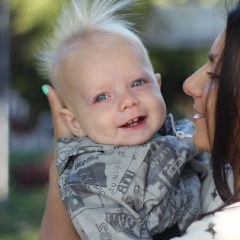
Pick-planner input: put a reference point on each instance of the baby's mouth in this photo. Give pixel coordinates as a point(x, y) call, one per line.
point(133, 122)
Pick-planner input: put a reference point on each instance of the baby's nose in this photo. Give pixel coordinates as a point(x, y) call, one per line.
point(128, 100)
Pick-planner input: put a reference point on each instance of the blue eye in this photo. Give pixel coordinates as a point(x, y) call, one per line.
point(101, 98)
point(138, 83)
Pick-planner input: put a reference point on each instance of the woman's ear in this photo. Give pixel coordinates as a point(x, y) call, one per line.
point(71, 122)
point(159, 79)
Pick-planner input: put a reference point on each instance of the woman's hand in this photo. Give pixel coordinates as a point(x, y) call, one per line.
point(56, 224)
point(60, 129)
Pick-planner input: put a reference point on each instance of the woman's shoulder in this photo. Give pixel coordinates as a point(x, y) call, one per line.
point(210, 200)
point(221, 225)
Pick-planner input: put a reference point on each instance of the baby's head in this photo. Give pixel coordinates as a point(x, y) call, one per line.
point(103, 75)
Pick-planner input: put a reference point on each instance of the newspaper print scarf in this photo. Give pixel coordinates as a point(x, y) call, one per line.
point(132, 192)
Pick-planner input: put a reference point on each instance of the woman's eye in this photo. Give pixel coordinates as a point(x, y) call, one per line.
point(101, 98)
point(138, 83)
point(212, 75)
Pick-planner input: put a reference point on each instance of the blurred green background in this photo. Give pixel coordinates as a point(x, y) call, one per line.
point(31, 136)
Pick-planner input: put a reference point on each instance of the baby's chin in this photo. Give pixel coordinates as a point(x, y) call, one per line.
point(126, 139)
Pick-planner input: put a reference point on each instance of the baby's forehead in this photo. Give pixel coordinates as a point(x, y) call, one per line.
point(78, 49)
point(90, 42)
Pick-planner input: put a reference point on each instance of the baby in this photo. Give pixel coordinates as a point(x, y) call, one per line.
point(125, 174)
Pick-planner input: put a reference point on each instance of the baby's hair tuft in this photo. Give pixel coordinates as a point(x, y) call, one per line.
point(82, 18)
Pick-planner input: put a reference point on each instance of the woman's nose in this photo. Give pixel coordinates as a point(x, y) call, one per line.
point(193, 85)
point(187, 86)
point(128, 100)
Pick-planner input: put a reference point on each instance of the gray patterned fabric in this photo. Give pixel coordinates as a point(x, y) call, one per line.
point(131, 192)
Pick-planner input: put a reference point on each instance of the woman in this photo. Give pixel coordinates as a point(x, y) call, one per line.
point(215, 89)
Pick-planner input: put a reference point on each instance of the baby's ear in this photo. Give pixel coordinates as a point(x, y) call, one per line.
point(71, 122)
point(159, 79)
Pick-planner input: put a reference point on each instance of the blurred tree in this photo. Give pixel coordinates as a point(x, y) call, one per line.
point(30, 22)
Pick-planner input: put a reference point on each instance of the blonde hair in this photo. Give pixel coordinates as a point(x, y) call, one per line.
point(79, 21)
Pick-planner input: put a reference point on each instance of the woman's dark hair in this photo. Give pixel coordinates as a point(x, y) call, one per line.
point(226, 144)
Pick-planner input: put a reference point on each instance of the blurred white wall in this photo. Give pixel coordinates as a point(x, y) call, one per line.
point(183, 26)
point(4, 86)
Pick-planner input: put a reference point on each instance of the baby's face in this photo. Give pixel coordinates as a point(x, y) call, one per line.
point(116, 97)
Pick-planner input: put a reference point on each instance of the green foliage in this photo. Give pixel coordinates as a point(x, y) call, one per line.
point(30, 22)
point(21, 217)
point(28, 15)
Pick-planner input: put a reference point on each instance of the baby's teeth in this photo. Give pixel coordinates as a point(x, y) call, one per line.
point(134, 120)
